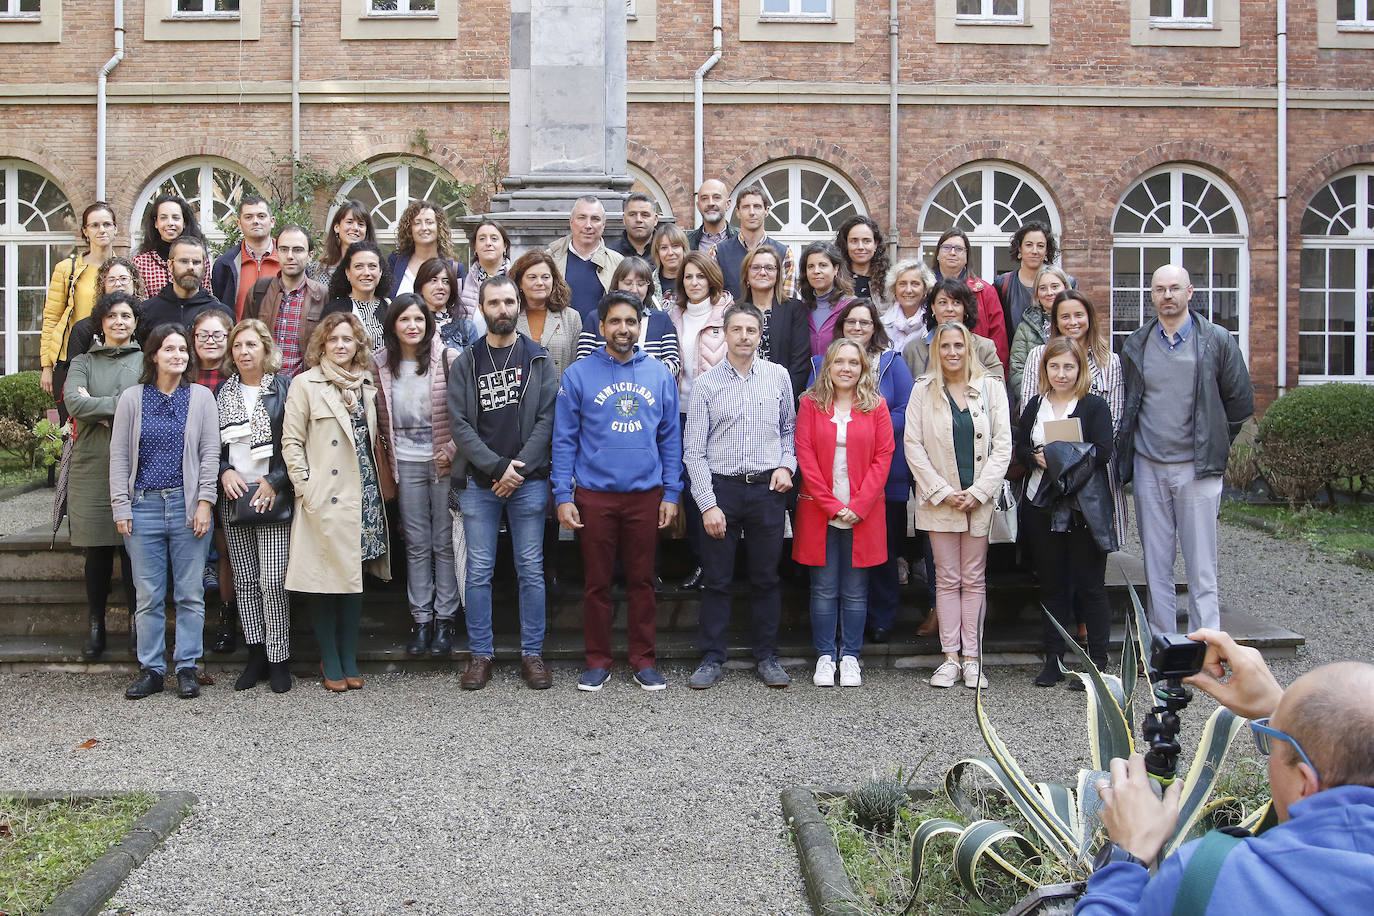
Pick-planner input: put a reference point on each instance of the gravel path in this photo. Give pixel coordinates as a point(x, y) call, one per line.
point(413, 797)
point(22, 512)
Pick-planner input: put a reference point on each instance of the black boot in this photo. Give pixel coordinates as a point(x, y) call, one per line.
point(95, 645)
point(224, 636)
point(256, 672)
point(279, 676)
point(420, 636)
point(442, 646)
point(1050, 674)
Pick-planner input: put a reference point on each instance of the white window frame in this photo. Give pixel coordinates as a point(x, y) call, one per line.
point(1220, 30)
point(14, 234)
point(794, 13)
point(1357, 219)
point(162, 21)
point(359, 22)
point(203, 200)
point(1030, 27)
point(1177, 20)
point(402, 11)
point(207, 11)
point(631, 9)
point(986, 16)
point(1363, 20)
point(988, 236)
point(386, 214)
point(1178, 236)
point(10, 12)
point(43, 26)
point(797, 233)
point(835, 26)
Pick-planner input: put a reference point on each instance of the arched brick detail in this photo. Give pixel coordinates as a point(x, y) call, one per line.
point(873, 191)
point(1063, 194)
point(79, 190)
point(131, 175)
point(1319, 173)
point(647, 158)
point(1228, 168)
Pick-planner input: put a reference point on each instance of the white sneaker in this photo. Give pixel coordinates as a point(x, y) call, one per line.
point(946, 674)
point(903, 571)
point(973, 678)
point(849, 672)
point(825, 672)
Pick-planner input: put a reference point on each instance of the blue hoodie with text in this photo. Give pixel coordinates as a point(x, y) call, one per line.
point(616, 427)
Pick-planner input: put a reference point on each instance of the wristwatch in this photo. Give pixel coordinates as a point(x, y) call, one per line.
point(1113, 853)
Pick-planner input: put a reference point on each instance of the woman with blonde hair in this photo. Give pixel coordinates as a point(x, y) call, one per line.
point(670, 248)
point(330, 446)
point(1035, 328)
point(844, 449)
point(958, 443)
point(72, 294)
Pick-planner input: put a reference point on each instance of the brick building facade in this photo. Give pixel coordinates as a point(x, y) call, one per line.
point(1144, 130)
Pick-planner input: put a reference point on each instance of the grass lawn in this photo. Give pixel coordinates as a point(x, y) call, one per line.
point(43, 847)
point(1340, 532)
point(13, 472)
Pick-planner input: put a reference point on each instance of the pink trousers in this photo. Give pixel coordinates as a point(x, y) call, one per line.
point(960, 588)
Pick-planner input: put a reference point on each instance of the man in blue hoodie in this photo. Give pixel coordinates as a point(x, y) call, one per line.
point(617, 473)
point(1319, 737)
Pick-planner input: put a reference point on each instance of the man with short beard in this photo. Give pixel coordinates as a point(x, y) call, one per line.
point(751, 208)
point(290, 304)
point(641, 219)
point(183, 298)
point(235, 271)
point(618, 401)
point(712, 200)
point(501, 393)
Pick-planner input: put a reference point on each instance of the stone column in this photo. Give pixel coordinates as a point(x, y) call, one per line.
point(567, 116)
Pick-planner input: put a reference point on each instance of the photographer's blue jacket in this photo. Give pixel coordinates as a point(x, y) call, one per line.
point(1320, 861)
point(616, 427)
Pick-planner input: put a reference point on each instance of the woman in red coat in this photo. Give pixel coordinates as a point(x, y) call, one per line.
point(844, 449)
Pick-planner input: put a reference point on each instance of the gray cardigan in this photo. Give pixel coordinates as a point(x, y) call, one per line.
point(199, 459)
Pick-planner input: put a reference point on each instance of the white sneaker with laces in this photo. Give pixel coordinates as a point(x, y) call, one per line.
point(946, 674)
point(849, 672)
point(825, 672)
point(973, 678)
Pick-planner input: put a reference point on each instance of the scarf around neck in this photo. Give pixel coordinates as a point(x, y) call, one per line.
point(237, 425)
point(347, 381)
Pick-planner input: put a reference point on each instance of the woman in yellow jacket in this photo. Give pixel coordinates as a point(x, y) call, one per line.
point(72, 293)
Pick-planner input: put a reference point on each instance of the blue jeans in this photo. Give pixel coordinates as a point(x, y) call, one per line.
point(839, 597)
point(160, 537)
point(524, 510)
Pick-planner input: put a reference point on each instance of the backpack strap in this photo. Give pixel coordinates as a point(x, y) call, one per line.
point(1200, 875)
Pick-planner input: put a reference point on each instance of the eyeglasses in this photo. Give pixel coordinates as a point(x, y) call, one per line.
point(763, 268)
point(1266, 735)
point(211, 336)
point(953, 249)
point(857, 323)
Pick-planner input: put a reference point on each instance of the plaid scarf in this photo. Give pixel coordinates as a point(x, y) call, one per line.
point(235, 424)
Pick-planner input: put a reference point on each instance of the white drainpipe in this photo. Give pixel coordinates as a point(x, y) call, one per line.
point(100, 80)
point(698, 117)
point(295, 90)
point(1283, 193)
point(892, 237)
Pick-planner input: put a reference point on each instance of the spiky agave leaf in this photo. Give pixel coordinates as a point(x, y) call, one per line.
point(1109, 732)
point(928, 831)
point(1129, 673)
point(1212, 749)
point(1144, 636)
point(978, 844)
point(1261, 819)
point(1089, 810)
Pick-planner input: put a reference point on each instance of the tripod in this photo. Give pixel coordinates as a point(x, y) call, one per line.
point(1160, 729)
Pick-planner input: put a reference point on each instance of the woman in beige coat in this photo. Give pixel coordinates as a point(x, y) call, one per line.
point(958, 443)
point(329, 443)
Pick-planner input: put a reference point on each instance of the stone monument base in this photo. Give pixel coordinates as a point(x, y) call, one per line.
point(534, 209)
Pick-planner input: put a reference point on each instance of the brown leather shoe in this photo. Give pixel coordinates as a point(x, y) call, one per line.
point(336, 686)
point(354, 683)
point(476, 674)
point(535, 673)
point(930, 626)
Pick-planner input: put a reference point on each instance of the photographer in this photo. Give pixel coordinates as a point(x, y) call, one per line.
point(1320, 858)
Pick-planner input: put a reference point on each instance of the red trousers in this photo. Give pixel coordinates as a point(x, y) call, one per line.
point(627, 524)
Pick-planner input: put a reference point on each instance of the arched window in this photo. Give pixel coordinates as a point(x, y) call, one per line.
point(808, 201)
point(213, 188)
point(390, 186)
point(37, 229)
point(1336, 310)
point(649, 185)
point(1180, 215)
point(988, 202)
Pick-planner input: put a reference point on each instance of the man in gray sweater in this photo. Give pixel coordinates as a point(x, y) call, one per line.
point(1187, 394)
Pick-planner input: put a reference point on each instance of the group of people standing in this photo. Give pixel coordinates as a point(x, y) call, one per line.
point(607, 390)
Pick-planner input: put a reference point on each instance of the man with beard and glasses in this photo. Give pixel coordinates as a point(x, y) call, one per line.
point(501, 393)
point(617, 473)
point(183, 298)
point(713, 197)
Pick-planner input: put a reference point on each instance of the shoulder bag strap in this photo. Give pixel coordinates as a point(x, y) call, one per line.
point(1200, 875)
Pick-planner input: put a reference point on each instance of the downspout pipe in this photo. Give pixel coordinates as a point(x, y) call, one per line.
point(1282, 138)
point(892, 236)
point(100, 118)
point(698, 116)
point(295, 90)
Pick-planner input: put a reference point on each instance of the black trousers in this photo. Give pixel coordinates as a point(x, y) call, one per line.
point(1073, 572)
point(756, 513)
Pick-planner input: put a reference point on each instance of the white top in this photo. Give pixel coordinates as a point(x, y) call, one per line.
point(1046, 412)
point(248, 469)
point(408, 280)
point(694, 318)
point(840, 469)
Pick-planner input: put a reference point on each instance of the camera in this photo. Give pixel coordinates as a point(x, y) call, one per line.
point(1174, 657)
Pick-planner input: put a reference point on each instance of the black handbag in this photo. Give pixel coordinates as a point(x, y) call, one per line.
point(242, 514)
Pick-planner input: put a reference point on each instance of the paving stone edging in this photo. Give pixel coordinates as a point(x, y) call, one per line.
point(93, 888)
point(827, 884)
point(20, 489)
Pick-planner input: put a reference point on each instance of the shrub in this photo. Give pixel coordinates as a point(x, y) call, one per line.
point(1242, 464)
point(1317, 437)
point(22, 398)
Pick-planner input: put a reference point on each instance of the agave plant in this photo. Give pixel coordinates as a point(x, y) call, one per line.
point(1063, 824)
